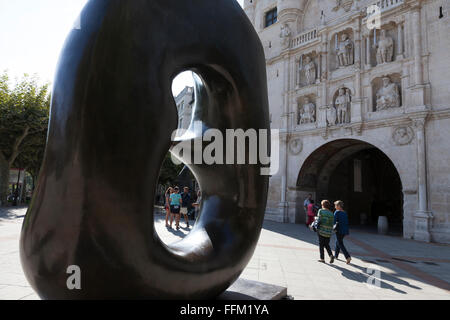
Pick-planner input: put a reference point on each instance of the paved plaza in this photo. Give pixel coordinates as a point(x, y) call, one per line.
point(287, 255)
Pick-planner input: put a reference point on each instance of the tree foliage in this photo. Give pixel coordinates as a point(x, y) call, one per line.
point(169, 171)
point(24, 116)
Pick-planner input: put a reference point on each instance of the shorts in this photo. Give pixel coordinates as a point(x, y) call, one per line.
point(175, 209)
point(184, 210)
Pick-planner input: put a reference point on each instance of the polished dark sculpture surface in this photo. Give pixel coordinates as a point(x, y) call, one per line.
point(112, 117)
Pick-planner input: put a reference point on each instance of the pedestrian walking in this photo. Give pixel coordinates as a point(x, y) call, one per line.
point(305, 205)
point(196, 204)
point(311, 212)
point(175, 204)
point(167, 194)
point(325, 229)
point(342, 230)
point(186, 202)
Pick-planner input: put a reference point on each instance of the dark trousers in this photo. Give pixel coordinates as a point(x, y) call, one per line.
point(340, 246)
point(324, 242)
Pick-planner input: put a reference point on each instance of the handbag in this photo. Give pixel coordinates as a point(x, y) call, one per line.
point(315, 225)
point(336, 227)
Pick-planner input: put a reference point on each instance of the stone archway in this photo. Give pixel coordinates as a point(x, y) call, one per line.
point(361, 175)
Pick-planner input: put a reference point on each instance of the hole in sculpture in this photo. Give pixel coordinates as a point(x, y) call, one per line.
point(177, 175)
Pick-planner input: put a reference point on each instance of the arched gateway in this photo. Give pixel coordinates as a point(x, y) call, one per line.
point(358, 173)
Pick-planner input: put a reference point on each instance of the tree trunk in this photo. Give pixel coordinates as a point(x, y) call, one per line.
point(23, 193)
point(4, 179)
point(15, 149)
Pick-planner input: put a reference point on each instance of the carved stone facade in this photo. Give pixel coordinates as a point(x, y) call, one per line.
point(339, 88)
point(184, 101)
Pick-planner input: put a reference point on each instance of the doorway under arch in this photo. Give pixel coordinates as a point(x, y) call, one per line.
point(359, 174)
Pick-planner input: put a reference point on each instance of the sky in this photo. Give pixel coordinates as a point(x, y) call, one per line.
point(32, 33)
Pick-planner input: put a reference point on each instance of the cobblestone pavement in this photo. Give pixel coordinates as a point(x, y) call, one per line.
point(287, 255)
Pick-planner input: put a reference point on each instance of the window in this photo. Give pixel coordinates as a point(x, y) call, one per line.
point(271, 17)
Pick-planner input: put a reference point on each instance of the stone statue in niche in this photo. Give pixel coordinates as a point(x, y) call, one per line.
point(307, 114)
point(285, 35)
point(385, 48)
point(342, 104)
point(310, 70)
point(344, 51)
point(331, 115)
point(388, 95)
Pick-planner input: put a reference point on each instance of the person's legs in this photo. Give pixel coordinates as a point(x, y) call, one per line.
point(327, 246)
point(321, 247)
point(186, 218)
point(184, 211)
point(340, 242)
point(177, 222)
point(171, 217)
point(167, 216)
point(337, 249)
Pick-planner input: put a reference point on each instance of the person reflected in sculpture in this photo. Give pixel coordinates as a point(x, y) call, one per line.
point(175, 204)
point(167, 194)
point(325, 230)
point(186, 202)
point(341, 228)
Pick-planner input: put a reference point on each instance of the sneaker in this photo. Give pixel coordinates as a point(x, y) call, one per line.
point(178, 227)
point(331, 259)
point(348, 260)
point(187, 225)
point(321, 260)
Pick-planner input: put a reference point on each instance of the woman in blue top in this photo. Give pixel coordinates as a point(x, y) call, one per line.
point(340, 217)
point(175, 204)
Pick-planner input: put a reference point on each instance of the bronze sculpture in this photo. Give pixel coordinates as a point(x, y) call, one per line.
point(112, 116)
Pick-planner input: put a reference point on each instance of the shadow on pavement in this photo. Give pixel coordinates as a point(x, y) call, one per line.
point(11, 213)
point(362, 277)
point(302, 233)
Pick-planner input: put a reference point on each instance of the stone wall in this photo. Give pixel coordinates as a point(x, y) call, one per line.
point(406, 116)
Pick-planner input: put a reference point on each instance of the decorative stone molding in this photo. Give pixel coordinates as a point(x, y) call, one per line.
point(402, 135)
point(344, 4)
point(295, 146)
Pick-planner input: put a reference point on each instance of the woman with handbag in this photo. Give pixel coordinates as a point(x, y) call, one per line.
point(341, 229)
point(325, 220)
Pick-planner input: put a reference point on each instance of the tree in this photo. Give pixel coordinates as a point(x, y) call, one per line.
point(24, 115)
point(169, 171)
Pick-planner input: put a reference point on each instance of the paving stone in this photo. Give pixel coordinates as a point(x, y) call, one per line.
point(284, 261)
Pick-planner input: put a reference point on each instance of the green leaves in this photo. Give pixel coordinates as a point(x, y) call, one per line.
point(24, 109)
point(24, 116)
